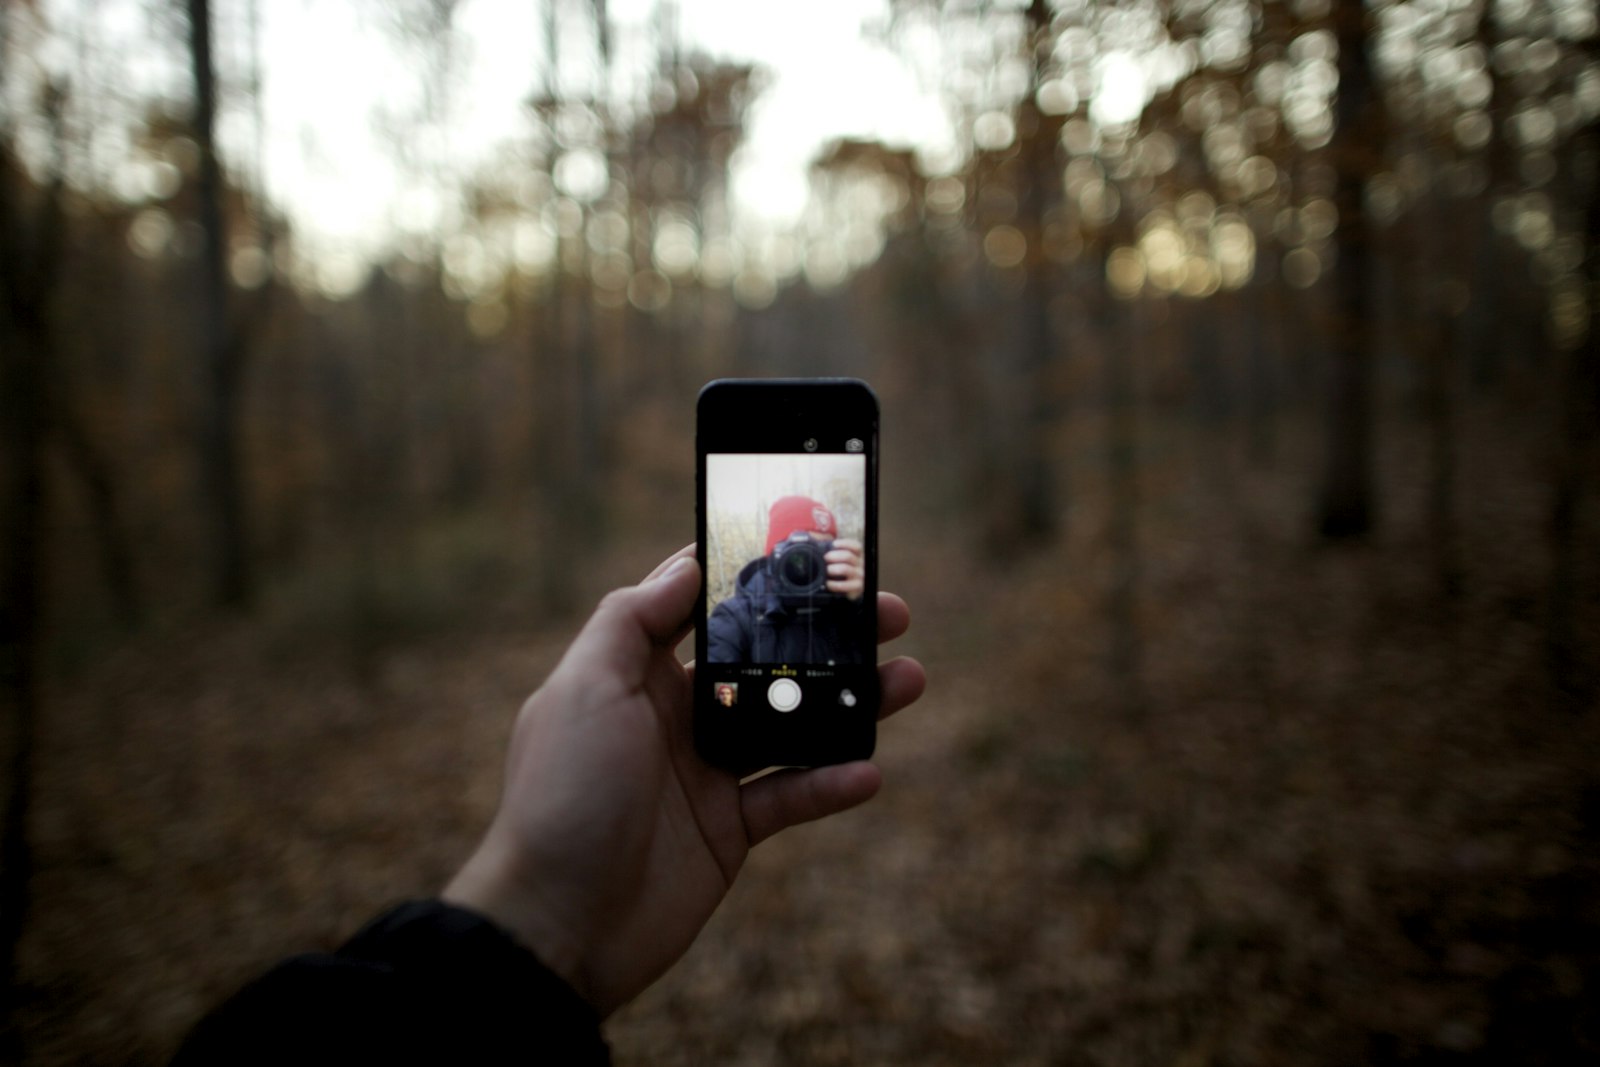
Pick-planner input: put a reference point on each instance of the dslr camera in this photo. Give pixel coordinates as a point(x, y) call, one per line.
point(800, 571)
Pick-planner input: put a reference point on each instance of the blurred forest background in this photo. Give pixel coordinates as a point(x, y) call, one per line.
point(1240, 395)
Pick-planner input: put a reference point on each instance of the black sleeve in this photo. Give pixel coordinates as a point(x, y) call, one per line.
point(424, 983)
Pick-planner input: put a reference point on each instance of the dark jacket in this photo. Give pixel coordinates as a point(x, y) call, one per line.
point(754, 626)
point(424, 983)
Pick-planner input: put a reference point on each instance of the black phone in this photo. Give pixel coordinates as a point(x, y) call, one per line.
point(787, 530)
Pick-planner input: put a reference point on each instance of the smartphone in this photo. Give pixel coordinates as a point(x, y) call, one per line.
point(787, 529)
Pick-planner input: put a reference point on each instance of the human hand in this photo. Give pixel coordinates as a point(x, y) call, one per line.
point(846, 575)
point(614, 841)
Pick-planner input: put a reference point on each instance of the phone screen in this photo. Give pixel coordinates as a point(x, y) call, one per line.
point(788, 534)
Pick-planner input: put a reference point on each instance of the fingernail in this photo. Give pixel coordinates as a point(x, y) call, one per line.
point(677, 566)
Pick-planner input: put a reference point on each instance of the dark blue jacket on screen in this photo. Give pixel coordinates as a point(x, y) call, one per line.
point(754, 626)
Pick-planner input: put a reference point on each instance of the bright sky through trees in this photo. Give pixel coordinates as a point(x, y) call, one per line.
point(368, 116)
point(330, 75)
point(372, 125)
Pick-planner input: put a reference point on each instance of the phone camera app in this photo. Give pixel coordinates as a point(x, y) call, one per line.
point(784, 694)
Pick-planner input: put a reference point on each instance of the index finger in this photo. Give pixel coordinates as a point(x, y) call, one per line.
point(894, 617)
point(661, 568)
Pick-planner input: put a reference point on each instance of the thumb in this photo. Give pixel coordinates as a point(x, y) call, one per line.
point(631, 623)
point(662, 604)
point(654, 612)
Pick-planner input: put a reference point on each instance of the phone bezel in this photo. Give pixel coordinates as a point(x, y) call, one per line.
point(774, 415)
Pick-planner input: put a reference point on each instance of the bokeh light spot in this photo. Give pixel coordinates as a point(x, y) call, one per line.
point(1125, 272)
point(1302, 268)
point(993, 131)
point(946, 195)
point(649, 290)
point(150, 233)
point(1005, 246)
point(250, 267)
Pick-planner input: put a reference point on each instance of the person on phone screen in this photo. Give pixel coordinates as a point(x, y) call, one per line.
point(800, 601)
point(612, 846)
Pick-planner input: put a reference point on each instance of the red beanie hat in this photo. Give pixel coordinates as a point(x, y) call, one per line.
point(793, 513)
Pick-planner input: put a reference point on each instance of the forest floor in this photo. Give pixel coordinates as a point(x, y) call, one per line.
point(1338, 817)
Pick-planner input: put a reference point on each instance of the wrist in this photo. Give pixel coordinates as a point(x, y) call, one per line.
point(490, 885)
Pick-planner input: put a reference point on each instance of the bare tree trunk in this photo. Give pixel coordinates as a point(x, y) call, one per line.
point(1261, 393)
point(1122, 527)
point(1345, 500)
point(1491, 307)
point(551, 469)
point(105, 513)
point(23, 506)
point(1035, 471)
point(29, 266)
point(222, 490)
point(1580, 396)
point(1202, 323)
point(590, 455)
point(1025, 509)
point(1441, 305)
point(1263, 295)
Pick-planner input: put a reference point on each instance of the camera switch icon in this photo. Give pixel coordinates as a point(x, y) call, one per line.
point(784, 694)
point(854, 445)
point(847, 698)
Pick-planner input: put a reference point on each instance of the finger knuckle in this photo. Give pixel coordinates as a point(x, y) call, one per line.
point(615, 600)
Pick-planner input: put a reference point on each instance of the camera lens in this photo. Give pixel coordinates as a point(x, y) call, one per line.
point(801, 569)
